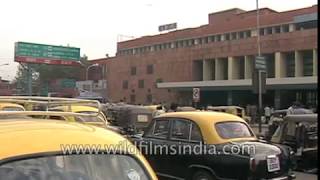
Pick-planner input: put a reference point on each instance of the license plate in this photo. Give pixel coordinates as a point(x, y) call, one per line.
point(142, 118)
point(273, 163)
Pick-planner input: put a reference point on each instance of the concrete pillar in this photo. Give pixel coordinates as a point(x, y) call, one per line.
point(277, 101)
point(229, 98)
point(208, 69)
point(219, 69)
point(298, 72)
point(280, 65)
point(254, 32)
point(248, 65)
point(273, 30)
point(233, 68)
point(223, 37)
point(315, 62)
point(292, 27)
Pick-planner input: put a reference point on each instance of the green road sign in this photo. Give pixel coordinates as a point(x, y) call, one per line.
point(68, 83)
point(24, 49)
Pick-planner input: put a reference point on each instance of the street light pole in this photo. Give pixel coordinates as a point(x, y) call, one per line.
point(259, 71)
point(258, 28)
point(92, 65)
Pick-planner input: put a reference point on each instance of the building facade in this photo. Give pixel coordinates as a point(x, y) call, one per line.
point(219, 58)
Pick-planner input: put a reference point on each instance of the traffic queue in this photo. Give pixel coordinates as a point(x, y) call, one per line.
point(65, 138)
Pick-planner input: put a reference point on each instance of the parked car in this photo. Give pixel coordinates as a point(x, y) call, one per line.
point(235, 110)
point(300, 132)
point(60, 150)
point(178, 145)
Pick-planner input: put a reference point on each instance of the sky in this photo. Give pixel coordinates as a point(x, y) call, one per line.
point(95, 26)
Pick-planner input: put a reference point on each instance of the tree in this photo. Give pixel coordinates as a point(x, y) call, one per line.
point(42, 74)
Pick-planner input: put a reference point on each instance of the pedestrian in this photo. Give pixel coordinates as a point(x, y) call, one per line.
point(296, 108)
point(173, 107)
point(267, 113)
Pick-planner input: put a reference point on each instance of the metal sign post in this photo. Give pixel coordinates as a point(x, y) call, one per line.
point(29, 72)
point(259, 83)
point(196, 96)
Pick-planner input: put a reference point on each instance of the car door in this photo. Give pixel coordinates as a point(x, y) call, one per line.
point(154, 145)
point(185, 140)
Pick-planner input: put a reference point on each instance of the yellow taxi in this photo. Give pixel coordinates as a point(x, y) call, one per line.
point(98, 120)
point(59, 150)
point(210, 145)
point(4, 106)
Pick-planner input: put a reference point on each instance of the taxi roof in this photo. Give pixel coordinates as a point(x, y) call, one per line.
point(5, 104)
point(204, 116)
point(224, 107)
point(206, 120)
point(77, 108)
point(24, 137)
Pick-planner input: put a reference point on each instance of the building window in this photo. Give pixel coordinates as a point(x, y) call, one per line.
point(307, 25)
point(149, 98)
point(307, 57)
point(218, 38)
point(277, 29)
point(285, 28)
point(180, 44)
point(133, 70)
point(290, 64)
point(268, 30)
point(150, 69)
point(205, 40)
point(233, 36)
point(141, 84)
point(132, 98)
point(248, 34)
point(227, 37)
point(211, 39)
point(261, 31)
point(125, 84)
point(241, 35)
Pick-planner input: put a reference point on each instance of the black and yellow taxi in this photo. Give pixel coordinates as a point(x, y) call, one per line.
point(211, 145)
point(35, 149)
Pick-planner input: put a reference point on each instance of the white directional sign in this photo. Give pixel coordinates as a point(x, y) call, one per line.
point(196, 94)
point(260, 63)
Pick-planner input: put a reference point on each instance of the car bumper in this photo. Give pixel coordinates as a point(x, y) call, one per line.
point(289, 177)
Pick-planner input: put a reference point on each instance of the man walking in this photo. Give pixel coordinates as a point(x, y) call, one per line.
point(267, 113)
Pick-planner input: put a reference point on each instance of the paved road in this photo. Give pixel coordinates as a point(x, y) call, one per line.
point(305, 176)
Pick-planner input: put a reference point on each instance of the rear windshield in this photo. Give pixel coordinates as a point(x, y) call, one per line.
point(84, 167)
point(229, 130)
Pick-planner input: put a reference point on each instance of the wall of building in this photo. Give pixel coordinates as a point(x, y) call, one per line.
point(227, 55)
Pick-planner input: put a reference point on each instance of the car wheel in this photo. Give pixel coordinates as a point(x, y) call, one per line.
point(202, 175)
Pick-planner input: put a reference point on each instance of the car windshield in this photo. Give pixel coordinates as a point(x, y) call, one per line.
point(229, 130)
point(80, 167)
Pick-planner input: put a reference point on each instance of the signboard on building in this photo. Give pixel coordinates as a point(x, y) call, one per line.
point(46, 54)
point(196, 94)
point(167, 27)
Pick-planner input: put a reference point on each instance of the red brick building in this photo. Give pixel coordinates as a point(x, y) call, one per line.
point(218, 58)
